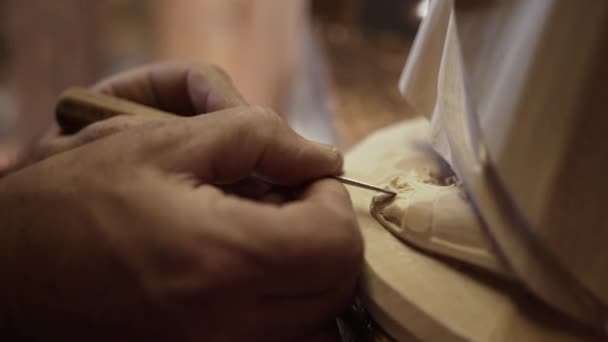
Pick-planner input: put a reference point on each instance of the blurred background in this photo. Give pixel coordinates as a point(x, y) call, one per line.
point(329, 67)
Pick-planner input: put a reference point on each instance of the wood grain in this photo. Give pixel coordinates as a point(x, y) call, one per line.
point(411, 293)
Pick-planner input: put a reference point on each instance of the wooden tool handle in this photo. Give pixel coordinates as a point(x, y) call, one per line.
point(79, 107)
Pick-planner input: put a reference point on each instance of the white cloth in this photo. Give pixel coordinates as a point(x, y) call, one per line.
point(506, 83)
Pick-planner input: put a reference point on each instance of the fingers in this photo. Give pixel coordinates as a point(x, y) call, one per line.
point(334, 221)
point(233, 144)
point(89, 134)
point(211, 89)
point(181, 88)
point(319, 242)
point(306, 256)
point(248, 141)
point(305, 247)
point(300, 261)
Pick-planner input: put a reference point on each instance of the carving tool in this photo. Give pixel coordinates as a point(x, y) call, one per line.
point(363, 185)
point(79, 107)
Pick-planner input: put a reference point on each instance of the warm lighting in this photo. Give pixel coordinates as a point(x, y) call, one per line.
point(422, 8)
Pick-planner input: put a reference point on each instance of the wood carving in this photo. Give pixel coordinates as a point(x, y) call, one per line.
point(436, 218)
point(515, 93)
point(414, 295)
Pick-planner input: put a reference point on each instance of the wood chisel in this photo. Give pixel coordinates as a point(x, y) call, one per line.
point(80, 107)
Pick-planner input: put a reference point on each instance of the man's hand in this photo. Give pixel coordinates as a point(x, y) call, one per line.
point(184, 89)
point(127, 237)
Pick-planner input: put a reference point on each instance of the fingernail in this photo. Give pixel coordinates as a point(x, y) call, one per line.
point(329, 149)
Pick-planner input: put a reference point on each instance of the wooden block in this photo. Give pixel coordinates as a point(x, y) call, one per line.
point(410, 293)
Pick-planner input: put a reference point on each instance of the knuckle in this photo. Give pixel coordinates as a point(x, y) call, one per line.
point(114, 125)
point(104, 128)
point(267, 117)
point(260, 119)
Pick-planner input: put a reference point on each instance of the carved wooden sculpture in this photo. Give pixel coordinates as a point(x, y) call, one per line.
point(410, 293)
point(437, 218)
point(515, 94)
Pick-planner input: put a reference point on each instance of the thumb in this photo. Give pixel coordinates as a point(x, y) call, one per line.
point(235, 143)
point(180, 88)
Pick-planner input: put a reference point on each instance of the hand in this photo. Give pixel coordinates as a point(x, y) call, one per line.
point(183, 89)
point(127, 238)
